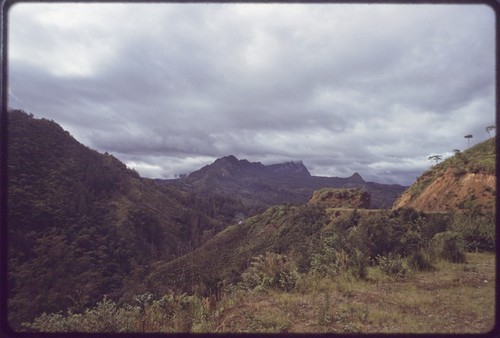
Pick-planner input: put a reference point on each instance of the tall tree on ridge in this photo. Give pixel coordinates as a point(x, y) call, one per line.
point(468, 137)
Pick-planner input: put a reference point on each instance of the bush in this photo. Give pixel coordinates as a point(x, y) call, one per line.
point(448, 245)
point(358, 264)
point(434, 224)
point(105, 317)
point(420, 261)
point(379, 235)
point(270, 271)
point(331, 258)
point(477, 231)
point(392, 265)
point(171, 313)
point(330, 263)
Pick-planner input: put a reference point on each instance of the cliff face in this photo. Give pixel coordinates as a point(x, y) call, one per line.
point(451, 193)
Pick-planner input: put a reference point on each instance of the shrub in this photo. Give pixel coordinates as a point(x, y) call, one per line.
point(477, 231)
point(448, 245)
point(420, 261)
point(392, 265)
point(358, 264)
point(330, 263)
point(379, 235)
point(331, 258)
point(411, 241)
point(171, 313)
point(270, 271)
point(105, 317)
point(434, 224)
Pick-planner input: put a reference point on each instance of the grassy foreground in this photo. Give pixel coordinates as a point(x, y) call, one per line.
point(454, 298)
point(451, 298)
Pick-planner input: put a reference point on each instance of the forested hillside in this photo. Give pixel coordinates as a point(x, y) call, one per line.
point(83, 225)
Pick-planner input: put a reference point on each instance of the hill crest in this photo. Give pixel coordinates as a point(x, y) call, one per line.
point(465, 180)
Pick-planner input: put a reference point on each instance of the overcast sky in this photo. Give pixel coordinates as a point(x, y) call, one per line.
point(168, 88)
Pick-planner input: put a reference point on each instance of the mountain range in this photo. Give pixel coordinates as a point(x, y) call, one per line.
point(260, 186)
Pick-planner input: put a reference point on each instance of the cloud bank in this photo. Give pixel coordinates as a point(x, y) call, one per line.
point(168, 88)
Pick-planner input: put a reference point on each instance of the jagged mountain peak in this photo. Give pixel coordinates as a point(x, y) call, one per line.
point(290, 167)
point(288, 182)
point(231, 163)
point(226, 166)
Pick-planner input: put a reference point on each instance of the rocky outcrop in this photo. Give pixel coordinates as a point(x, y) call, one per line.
point(341, 198)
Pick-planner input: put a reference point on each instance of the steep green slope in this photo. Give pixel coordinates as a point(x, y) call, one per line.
point(301, 232)
point(279, 229)
point(82, 225)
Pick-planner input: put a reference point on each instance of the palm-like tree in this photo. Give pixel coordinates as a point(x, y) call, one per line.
point(468, 137)
point(436, 158)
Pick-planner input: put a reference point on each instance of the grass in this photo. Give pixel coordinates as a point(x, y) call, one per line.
point(455, 298)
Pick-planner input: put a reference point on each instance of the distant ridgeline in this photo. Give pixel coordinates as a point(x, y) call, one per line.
point(258, 186)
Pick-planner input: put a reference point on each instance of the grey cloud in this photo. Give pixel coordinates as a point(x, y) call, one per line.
point(364, 88)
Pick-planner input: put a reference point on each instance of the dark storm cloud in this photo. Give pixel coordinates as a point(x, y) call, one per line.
point(168, 88)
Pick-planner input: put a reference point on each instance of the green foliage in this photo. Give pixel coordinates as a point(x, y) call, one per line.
point(270, 271)
point(82, 225)
point(330, 262)
point(448, 245)
point(176, 313)
point(171, 313)
point(105, 317)
point(392, 265)
point(477, 231)
point(379, 235)
point(420, 261)
point(358, 264)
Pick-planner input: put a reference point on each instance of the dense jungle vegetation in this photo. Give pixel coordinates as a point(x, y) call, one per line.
point(82, 225)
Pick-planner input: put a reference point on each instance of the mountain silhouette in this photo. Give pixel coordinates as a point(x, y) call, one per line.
point(259, 186)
